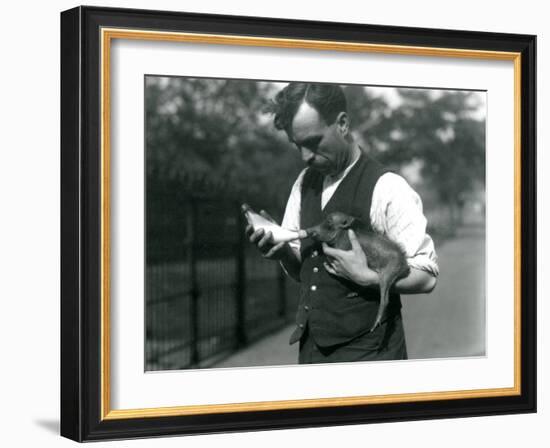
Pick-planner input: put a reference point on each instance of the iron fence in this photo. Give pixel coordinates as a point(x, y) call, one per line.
point(208, 292)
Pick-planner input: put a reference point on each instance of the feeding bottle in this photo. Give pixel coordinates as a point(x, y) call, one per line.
point(280, 234)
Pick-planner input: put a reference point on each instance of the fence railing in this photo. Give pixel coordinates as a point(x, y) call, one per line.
point(208, 292)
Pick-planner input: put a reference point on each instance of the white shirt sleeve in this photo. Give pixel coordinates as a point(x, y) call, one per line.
point(396, 211)
point(291, 218)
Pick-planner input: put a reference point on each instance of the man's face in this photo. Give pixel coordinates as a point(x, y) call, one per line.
point(323, 147)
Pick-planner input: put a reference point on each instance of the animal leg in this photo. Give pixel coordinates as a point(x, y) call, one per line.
point(388, 276)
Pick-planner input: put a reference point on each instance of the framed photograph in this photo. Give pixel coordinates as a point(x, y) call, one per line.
point(274, 223)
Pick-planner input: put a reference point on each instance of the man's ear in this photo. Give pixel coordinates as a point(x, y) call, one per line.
point(342, 123)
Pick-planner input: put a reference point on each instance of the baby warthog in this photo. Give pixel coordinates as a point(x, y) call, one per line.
point(384, 256)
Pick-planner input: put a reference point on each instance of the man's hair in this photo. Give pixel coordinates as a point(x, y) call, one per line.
point(328, 99)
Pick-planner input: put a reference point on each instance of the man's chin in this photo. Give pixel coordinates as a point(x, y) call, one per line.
point(322, 169)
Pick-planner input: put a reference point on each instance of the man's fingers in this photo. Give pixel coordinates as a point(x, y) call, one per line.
point(330, 269)
point(267, 216)
point(327, 249)
point(267, 238)
point(354, 241)
point(256, 236)
point(331, 251)
point(274, 250)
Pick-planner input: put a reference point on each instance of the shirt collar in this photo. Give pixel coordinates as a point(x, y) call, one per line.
point(332, 179)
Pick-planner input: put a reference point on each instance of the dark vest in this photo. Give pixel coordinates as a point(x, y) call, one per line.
point(336, 310)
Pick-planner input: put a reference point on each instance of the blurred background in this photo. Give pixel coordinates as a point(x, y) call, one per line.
point(211, 300)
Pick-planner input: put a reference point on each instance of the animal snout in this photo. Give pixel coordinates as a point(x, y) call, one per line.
point(313, 233)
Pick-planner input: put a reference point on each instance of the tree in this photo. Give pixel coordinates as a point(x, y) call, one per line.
point(214, 129)
point(437, 131)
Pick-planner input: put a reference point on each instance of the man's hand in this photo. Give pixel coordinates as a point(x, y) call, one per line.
point(352, 264)
point(264, 240)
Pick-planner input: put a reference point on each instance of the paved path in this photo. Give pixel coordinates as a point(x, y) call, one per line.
point(451, 320)
point(448, 322)
point(269, 351)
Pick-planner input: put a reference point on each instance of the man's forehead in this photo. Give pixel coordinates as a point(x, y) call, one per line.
point(305, 121)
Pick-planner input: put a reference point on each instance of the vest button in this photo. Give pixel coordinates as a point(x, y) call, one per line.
point(313, 288)
point(301, 325)
point(314, 254)
point(315, 269)
point(306, 307)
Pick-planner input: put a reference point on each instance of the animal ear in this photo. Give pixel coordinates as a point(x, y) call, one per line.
point(348, 222)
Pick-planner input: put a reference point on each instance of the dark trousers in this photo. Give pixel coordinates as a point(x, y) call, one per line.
point(387, 342)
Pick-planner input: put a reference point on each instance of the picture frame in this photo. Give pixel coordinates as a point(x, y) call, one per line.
point(86, 209)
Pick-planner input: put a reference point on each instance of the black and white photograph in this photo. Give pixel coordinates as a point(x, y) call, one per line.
point(292, 223)
point(275, 224)
point(283, 224)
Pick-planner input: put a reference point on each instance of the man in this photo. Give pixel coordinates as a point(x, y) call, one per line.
point(339, 293)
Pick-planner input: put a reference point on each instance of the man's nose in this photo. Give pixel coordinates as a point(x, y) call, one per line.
point(307, 155)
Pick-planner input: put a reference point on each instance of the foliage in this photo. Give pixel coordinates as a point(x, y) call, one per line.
point(214, 129)
point(435, 131)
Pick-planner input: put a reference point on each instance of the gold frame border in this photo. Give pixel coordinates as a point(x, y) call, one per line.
point(107, 35)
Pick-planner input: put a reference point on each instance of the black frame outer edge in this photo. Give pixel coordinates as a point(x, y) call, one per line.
point(529, 222)
point(71, 385)
point(80, 363)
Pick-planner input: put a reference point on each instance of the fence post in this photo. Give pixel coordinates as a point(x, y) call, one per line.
point(192, 263)
point(240, 287)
